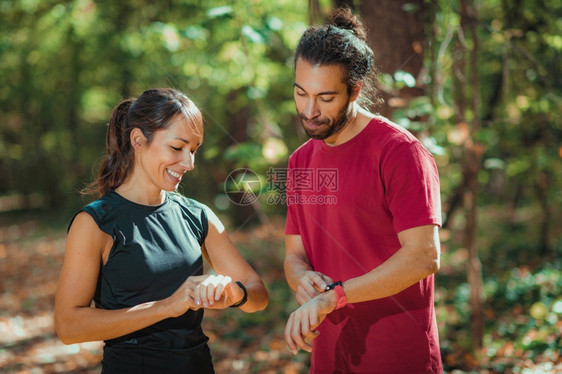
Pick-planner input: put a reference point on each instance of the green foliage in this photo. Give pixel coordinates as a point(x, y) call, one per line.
point(528, 309)
point(66, 64)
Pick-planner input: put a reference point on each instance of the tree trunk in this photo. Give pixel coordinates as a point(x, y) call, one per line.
point(396, 33)
point(121, 24)
point(541, 189)
point(474, 270)
point(314, 15)
point(240, 115)
point(473, 155)
point(345, 3)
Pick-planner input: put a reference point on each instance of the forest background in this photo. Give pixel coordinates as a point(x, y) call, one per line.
point(479, 82)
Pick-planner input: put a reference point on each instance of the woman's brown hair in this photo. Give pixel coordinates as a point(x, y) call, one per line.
point(151, 112)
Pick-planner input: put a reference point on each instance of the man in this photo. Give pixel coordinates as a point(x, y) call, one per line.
point(363, 210)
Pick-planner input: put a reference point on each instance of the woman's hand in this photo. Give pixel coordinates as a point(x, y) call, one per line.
point(217, 292)
point(205, 291)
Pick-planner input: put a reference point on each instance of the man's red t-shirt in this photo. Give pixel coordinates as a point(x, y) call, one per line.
point(348, 203)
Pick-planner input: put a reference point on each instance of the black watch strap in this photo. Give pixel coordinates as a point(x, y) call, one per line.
point(244, 299)
point(333, 285)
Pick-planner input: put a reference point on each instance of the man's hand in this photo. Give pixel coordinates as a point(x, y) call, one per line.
point(300, 275)
point(301, 326)
point(311, 284)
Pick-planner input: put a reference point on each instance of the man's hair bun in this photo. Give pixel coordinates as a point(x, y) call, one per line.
point(343, 18)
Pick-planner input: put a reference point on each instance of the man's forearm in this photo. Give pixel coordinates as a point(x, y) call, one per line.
point(403, 269)
point(294, 266)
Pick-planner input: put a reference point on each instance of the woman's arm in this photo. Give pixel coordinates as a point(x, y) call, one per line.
point(227, 261)
point(75, 320)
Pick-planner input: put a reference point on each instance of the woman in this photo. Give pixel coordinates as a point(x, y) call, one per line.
point(137, 250)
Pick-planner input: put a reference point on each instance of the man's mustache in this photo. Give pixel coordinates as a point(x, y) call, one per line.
point(314, 121)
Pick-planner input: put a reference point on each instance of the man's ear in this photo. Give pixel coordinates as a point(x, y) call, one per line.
point(355, 91)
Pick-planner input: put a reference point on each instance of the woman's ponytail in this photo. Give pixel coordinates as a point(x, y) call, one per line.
point(119, 158)
point(115, 142)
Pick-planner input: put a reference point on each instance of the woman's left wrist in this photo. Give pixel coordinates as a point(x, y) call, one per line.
point(244, 297)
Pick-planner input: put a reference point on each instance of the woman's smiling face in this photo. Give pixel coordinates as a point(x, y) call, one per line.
point(169, 155)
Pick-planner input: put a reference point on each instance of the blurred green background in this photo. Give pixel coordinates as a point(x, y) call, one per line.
point(479, 82)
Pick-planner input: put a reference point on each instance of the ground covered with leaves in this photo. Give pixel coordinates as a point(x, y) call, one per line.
point(523, 308)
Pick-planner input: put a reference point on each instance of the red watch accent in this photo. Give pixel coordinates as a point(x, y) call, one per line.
point(340, 294)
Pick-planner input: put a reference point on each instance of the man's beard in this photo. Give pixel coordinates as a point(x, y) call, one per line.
point(331, 129)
